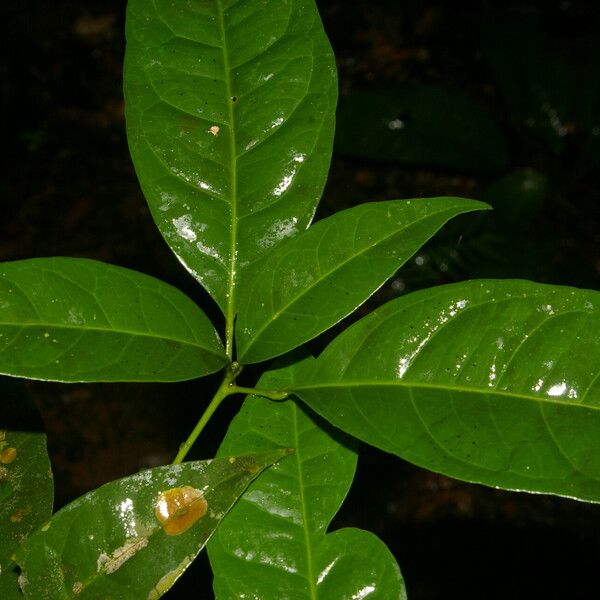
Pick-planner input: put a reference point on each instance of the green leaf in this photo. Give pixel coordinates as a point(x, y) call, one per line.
point(422, 125)
point(322, 275)
point(274, 544)
point(65, 319)
point(132, 538)
point(496, 382)
point(26, 486)
point(230, 114)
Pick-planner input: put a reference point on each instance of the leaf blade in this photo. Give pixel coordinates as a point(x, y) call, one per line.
point(65, 319)
point(226, 171)
point(274, 544)
point(485, 387)
point(322, 275)
point(26, 484)
point(111, 542)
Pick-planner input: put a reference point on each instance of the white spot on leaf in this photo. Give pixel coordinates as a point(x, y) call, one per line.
point(109, 564)
point(183, 227)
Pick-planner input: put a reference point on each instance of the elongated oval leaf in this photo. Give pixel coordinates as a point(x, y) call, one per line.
point(322, 275)
point(496, 382)
point(230, 110)
point(132, 538)
point(274, 544)
point(66, 319)
point(26, 486)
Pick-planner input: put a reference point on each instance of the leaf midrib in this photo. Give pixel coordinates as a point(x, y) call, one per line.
point(230, 293)
point(309, 557)
point(53, 326)
point(420, 385)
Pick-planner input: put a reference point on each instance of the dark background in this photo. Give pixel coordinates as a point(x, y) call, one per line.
point(68, 188)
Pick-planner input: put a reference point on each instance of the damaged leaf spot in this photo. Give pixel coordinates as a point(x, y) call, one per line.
point(167, 581)
point(77, 587)
point(214, 130)
point(178, 509)
point(18, 515)
point(109, 564)
point(8, 455)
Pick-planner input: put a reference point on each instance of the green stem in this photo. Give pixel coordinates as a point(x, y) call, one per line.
point(270, 394)
point(227, 388)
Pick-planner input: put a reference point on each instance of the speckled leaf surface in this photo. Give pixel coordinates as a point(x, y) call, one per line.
point(26, 486)
point(274, 543)
point(496, 382)
point(132, 538)
point(65, 319)
point(320, 276)
point(230, 112)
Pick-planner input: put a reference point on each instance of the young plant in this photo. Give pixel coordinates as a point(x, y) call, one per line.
point(230, 115)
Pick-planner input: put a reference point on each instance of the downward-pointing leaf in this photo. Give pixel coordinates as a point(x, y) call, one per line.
point(26, 489)
point(65, 319)
point(274, 544)
point(496, 382)
point(228, 172)
point(323, 274)
point(132, 538)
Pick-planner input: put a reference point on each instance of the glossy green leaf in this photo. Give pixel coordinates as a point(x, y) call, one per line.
point(495, 381)
point(66, 319)
point(422, 125)
point(110, 543)
point(230, 113)
point(26, 486)
point(322, 275)
point(273, 544)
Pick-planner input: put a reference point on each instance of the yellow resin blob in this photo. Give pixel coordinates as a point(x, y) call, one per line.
point(179, 508)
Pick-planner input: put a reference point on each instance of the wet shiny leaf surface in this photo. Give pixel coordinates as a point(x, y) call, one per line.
point(134, 537)
point(317, 278)
point(273, 544)
point(228, 172)
point(421, 125)
point(26, 486)
point(64, 319)
point(496, 382)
